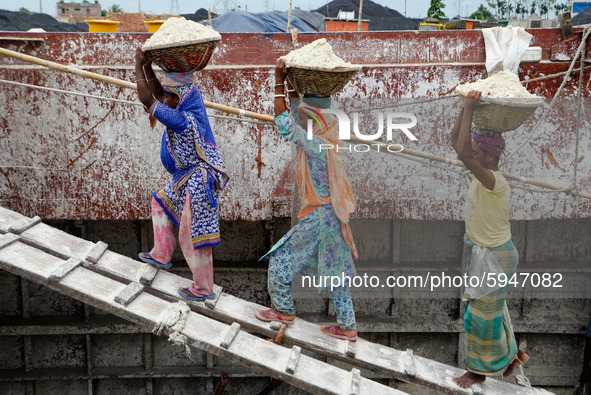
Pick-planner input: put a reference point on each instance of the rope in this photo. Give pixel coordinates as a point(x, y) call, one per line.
point(133, 103)
point(578, 127)
point(521, 378)
point(547, 77)
point(535, 129)
point(173, 320)
point(406, 103)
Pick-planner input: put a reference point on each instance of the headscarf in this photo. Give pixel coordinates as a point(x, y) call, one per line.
point(318, 102)
point(496, 145)
point(341, 196)
point(177, 79)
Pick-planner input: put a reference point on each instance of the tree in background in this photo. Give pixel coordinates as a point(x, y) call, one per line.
point(521, 9)
point(500, 6)
point(24, 10)
point(115, 8)
point(436, 9)
point(482, 13)
point(558, 8)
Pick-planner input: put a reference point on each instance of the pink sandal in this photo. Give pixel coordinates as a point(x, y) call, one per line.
point(276, 317)
point(337, 333)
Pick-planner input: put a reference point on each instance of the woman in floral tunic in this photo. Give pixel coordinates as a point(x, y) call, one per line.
point(189, 153)
point(321, 244)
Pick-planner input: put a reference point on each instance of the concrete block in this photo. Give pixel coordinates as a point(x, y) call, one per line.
point(241, 241)
point(371, 306)
point(117, 350)
point(123, 237)
point(166, 354)
point(373, 239)
point(11, 353)
point(119, 387)
point(61, 387)
point(560, 240)
point(59, 351)
point(13, 387)
point(10, 301)
point(431, 241)
point(519, 237)
point(441, 348)
point(45, 302)
point(282, 226)
point(246, 283)
point(430, 310)
point(317, 305)
point(554, 359)
point(246, 385)
point(192, 385)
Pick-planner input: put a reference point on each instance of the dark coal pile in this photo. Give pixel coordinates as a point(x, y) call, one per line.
point(21, 22)
point(380, 17)
point(582, 18)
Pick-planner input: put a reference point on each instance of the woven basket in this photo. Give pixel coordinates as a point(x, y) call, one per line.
point(182, 57)
point(319, 82)
point(505, 114)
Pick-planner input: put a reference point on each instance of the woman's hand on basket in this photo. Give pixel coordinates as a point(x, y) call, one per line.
point(280, 71)
point(141, 58)
point(473, 101)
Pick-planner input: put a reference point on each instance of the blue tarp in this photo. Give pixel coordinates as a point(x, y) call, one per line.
point(266, 22)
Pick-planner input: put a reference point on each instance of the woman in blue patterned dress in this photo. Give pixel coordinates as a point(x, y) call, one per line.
point(189, 153)
point(321, 243)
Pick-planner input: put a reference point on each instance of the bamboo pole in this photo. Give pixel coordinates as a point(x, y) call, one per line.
point(397, 148)
point(360, 12)
point(289, 17)
point(268, 118)
point(67, 69)
point(122, 83)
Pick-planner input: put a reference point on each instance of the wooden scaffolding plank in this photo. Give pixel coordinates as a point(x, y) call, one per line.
point(231, 309)
point(202, 332)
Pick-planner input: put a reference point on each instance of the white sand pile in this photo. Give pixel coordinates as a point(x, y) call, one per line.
point(316, 54)
point(504, 84)
point(180, 30)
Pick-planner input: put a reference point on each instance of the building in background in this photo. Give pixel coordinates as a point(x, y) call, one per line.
point(77, 12)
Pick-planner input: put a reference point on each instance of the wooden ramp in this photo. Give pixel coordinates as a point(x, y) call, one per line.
point(139, 292)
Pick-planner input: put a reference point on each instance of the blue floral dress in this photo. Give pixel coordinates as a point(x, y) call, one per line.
point(190, 154)
point(315, 246)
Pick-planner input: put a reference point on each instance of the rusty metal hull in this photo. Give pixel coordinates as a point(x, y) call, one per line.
point(74, 157)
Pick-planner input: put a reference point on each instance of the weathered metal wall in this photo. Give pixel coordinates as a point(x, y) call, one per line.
point(73, 157)
point(52, 343)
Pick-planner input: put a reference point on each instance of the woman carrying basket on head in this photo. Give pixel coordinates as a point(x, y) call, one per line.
point(490, 343)
point(189, 153)
point(322, 243)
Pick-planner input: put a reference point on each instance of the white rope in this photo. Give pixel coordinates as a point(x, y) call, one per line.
point(133, 103)
point(578, 127)
point(69, 92)
point(535, 129)
point(521, 378)
point(173, 320)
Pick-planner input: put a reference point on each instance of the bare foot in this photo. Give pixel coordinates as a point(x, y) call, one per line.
point(271, 317)
point(468, 379)
point(520, 358)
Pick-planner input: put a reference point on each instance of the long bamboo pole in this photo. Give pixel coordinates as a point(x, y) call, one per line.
point(396, 148)
point(122, 83)
point(266, 118)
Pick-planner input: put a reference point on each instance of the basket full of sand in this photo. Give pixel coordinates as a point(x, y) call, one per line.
point(510, 103)
point(315, 70)
point(181, 45)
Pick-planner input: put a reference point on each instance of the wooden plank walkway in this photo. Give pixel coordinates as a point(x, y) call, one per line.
point(127, 300)
point(386, 361)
